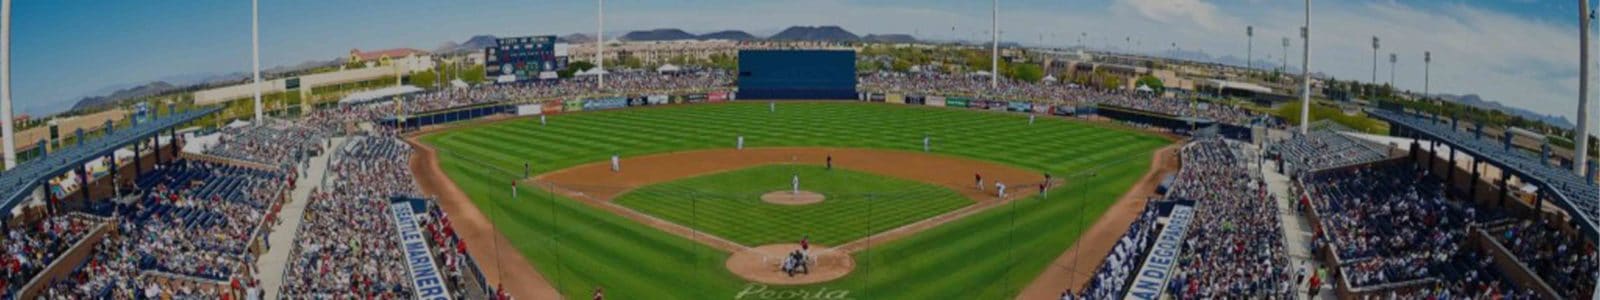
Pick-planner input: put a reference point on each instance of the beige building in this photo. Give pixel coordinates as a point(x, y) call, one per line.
point(656, 53)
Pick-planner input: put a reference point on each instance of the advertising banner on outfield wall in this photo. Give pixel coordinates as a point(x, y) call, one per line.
point(1041, 108)
point(605, 103)
point(694, 98)
point(679, 99)
point(1019, 106)
point(572, 105)
point(715, 97)
point(895, 98)
point(957, 102)
point(637, 101)
point(875, 97)
point(915, 99)
point(552, 107)
point(978, 104)
point(935, 101)
point(529, 109)
point(1063, 110)
point(657, 99)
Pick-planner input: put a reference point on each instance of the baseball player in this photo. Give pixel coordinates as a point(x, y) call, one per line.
point(541, 120)
point(979, 178)
point(1030, 119)
point(925, 141)
point(830, 162)
point(795, 184)
point(616, 163)
point(1000, 189)
point(740, 145)
point(772, 106)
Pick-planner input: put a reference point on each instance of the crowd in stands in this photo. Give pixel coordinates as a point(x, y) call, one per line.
point(1564, 261)
point(1071, 94)
point(451, 251)
point(199, 218)
point(1321, 149)
point(1111, 280)
point(31, 247)
point(1392, 225)
point(277, 143)
point(346, 245)
point(1234, 247)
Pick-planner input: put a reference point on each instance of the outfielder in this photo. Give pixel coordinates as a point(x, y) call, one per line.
point(541, 120)
point(740, 145)
point(616, 164)
point(795, 184)
point(1030, 119)
point(772, 107)
point(925, 141)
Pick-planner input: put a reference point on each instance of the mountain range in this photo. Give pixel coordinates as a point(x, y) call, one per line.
point(1476, 101)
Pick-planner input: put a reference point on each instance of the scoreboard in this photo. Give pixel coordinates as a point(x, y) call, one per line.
point(525, 58)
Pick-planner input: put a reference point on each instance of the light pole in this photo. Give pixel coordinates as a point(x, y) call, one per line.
point(1427, 64)
point(1305, 71)
point(255, 54)
point(1249, 46)
point(1392, 60)
point(1374, 59)
point(1581, 157)
point(994, 58)
point(10, 142)
point(1285, 64)
point(600, 44)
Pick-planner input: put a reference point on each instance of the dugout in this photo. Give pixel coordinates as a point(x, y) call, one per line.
point(447, 115)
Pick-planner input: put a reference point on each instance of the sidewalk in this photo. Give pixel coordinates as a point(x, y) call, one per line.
point(1297, 234)
point(272, 264)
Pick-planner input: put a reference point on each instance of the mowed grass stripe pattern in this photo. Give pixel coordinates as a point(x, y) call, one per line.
point(986, 256)
point(729, 204)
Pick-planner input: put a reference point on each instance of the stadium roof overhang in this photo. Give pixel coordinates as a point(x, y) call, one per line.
point(1570, 192)
point(16, 184)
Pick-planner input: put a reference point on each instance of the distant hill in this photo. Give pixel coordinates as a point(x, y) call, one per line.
point(146, 90)
point(889, 38)
point(663, 34)
point(731, 35)
point(576, 38)
point(476, 43)
point(1477, 101)
point(816, 33)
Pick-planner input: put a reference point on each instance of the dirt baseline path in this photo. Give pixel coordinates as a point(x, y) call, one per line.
point(1073, 268)
point(519, 279)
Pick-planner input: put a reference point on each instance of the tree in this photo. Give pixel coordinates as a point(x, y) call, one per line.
point(900, 65)
point(867, 66)
point(1154, 83)
point(473, 75)
point(1025, 72)
point(424, 79)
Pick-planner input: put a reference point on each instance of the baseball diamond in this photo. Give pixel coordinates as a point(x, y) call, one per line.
point(578, 244)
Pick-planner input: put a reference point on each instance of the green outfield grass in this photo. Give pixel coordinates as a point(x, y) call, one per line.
point(989, 255)
point(729, 204)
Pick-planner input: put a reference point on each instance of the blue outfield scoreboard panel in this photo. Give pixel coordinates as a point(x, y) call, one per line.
point(797, 74)
point(524, 57)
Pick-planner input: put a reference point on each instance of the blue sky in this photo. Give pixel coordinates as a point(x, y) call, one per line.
point(1520, 52)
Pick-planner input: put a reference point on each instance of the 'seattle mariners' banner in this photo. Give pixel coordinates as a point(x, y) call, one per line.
point(1152, 278)
point(425, 277)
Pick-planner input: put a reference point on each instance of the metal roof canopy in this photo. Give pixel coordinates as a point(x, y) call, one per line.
point(1571, 192)
point(16, 184)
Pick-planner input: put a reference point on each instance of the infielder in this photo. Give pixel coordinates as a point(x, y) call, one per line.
point(795, 184)
point(1000, 189)
point(616, 164)
point(979, 178)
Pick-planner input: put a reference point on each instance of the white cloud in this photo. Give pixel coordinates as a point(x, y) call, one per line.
point(1178, 12)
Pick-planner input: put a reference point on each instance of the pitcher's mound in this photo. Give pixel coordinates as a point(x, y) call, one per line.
point(791, 198)
point(764, 264)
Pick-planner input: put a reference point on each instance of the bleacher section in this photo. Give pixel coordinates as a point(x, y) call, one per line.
point(1580, 198)
point(1325, 147)
point(1391, 228)
point(1114, 275)
point(1235, 245)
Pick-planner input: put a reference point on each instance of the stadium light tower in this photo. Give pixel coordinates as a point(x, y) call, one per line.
point(1427, 64)
point(255, 54)
point(1581, 156)
point(600, 45)
point(1305, 71)
point(1374, 59)
point(5, 85)
point(994, 58)
point(1249, 46)
point(1285, 54)
point(1392, 60)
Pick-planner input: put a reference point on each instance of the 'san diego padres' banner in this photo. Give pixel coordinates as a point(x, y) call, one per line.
point(1152, 278)
point(425, 277)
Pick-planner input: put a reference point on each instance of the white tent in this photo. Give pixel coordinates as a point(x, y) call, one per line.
point(592, 72)
point(668, 68)
point(457, 83)
point(981, 74)
point(1145, 88)
point(378, 94)
point(1049, 78)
